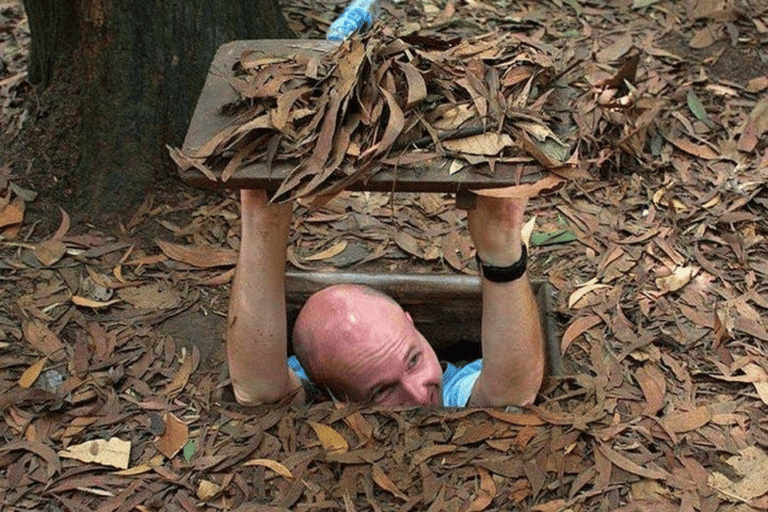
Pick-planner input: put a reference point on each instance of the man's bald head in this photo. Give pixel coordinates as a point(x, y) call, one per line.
point(334, 318)
point(345, 332)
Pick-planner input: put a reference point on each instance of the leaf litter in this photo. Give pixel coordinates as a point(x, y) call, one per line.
point(661, 297)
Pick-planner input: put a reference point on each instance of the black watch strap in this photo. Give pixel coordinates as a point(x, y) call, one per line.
point(505, 274)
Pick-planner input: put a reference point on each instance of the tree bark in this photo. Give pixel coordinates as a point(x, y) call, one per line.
point(122, 79)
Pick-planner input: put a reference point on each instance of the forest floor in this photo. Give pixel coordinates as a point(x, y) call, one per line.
point(111, 346)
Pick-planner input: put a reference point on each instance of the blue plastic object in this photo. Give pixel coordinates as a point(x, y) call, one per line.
point(357, 14)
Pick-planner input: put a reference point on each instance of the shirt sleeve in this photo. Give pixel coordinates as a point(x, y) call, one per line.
point(293, 364)
point(458, 383)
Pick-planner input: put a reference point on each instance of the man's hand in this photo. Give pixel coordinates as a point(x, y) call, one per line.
point(495, 225)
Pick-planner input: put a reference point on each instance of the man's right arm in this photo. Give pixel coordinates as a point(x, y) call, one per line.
point(257, 337)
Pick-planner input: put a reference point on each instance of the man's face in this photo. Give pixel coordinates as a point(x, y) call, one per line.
point(395, 365)
point(368, 349)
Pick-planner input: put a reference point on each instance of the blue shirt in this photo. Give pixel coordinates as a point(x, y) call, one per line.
point(457, 382)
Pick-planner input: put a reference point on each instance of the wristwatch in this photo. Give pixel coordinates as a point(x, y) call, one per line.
point(504, 274)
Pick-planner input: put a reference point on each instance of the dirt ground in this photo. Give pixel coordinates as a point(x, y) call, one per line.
point(657, 259)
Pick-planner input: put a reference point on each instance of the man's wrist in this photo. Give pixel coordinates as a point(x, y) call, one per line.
point(505, 273)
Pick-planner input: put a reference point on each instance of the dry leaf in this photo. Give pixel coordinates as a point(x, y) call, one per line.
point(654, 387)
point(181, 378)
point(42, 339)
point(751, 478)
point(153, 296)
point(31, 374)
point(680, 277)
point(544, 185)
point(409, 244)
point(613, 52)
point(679, 422)
point(198, 255)
point(627, 465)
point(428, 452)
point(485, 494)
point(489, 144)
point(527, 230)
point(330, 252)
point(49, 252)
point(175, 436)
point(577, 328)
point(113, 452)
point(95, 304)
point(331, 440)
point(271, 464)
point(155, 461)
point(701, 151)
point(417, 88)
point(583, 290)
point(38, 448)
point(12, 214)
point(207, 490)
point(383, 481)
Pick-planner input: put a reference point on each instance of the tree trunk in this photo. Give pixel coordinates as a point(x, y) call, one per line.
point(122, 79)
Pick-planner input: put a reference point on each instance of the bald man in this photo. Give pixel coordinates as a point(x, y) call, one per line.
point(358, 345)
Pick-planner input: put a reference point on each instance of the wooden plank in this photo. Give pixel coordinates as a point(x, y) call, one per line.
point(446, 309)
point(428, 176)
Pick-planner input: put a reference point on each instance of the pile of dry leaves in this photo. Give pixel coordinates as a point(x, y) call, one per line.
point(110, 343)
point(383, 99)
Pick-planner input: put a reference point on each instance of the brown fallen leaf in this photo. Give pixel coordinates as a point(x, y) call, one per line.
point(680, 277)
point(113, 452)
point(753, 374)
point(544, 185)
point(207, 490)
point(38, 448)
point(577, 328)
point(751, 475)
point(408, 243)
point(489, 144)
point(12, 214)
point(198, 255)
point(331, 440)
point(417, 88)
point(428, 452)
point(181, 378)
point(275, 466)
point(485, 494)
point(42, 339)
point(31, 374)
point(95, 304)
point(687, 421)
point(330, 252)
point(175, 436)
point(699, 150)
point(154, 462)
point(653, 385)
point(49, 252)
point(588, 287)
point(627, 465)
point(383, 481)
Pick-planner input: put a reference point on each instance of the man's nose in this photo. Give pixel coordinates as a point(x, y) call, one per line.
point(416, 391)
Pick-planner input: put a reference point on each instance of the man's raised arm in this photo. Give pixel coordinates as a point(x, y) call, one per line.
point(257, 331)
point(512, 339)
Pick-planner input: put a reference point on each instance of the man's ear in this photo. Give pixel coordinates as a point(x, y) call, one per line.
point(407, 314)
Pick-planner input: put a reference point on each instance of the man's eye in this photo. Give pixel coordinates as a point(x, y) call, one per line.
point(414, 361)
point(379, 393)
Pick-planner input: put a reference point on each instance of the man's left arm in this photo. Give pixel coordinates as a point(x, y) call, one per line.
point(512, 338)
